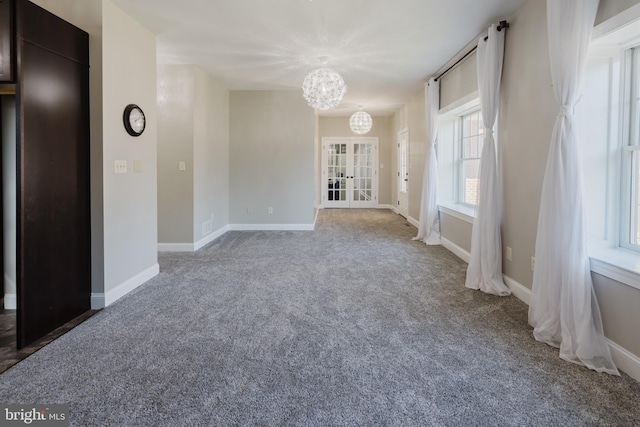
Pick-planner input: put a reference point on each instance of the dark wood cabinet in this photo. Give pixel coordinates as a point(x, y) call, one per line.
point(7, 41)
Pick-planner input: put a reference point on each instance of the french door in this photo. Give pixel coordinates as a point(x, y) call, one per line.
point(350, 172)
point(403, 173)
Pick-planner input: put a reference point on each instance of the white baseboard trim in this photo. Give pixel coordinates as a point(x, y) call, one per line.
point(518, 290)
point(192, 247)
point(390, 207)
point(10, 301)
point(271, 227)
point(413, 222)
point(210, 238)
point(457, 250)
point(626, 361)
point(102, 300)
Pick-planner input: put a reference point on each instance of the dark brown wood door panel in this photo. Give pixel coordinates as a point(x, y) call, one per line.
point(53, 248)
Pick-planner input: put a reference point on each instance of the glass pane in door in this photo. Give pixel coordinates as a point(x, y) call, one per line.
point(362, 172)
point(337, 172)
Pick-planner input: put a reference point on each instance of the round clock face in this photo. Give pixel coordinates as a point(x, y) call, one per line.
point(134, 120)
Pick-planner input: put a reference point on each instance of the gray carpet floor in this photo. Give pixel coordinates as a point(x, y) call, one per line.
point(351, 324)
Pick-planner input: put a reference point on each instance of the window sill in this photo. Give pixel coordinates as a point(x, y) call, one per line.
point(457, 210)
point(622, 265)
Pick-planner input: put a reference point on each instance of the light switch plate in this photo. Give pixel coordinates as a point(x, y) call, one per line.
point(182, 166)
point(137, 166)
point(120, 166)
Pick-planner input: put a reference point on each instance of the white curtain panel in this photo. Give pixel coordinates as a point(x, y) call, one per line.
point(429, 225)
point(485, 265)
point(563, 308)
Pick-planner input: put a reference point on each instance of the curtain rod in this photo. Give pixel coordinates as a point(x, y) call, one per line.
point(503, 24)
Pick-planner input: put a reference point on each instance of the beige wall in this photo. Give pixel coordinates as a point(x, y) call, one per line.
point(130, 200)
point(210, 154)
point(456, 231)
point(412, 117)
point(526, 119)
point(381, 128)
point(176, 92)
point(459, 82)
point(271, 158)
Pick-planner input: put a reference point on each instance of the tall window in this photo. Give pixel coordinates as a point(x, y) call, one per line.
point(631, 179)
point(471, 139)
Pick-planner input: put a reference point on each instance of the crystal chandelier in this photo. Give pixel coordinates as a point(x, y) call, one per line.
point(360, 122)
point(323, 88)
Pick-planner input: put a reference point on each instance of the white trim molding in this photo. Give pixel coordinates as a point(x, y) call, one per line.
point(102, 300)
point(10, 301)
point(461, 253)
point(626, 361)
point(456, 210)
point(192, 247)
point(210, 238)
point(624, 18)
point(413, 222)
point(272, 227)
point(518, 290)
point(621, 265)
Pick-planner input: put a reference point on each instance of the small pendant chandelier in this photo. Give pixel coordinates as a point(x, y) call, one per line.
point(360, 122)
point(323, 88)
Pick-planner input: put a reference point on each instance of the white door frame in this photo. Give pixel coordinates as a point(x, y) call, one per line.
point(350, 141)
point(403, 169)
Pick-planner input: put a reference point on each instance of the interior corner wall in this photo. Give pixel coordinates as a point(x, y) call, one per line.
point(271, 158)
point(87, 15)
point(176, 94)
point(210, 154)
point(130, 199)
point(382, 129)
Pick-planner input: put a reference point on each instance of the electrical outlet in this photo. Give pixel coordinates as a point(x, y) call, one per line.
point(509, 253)
point(120, 166)
point(182, 166)
point(270, 211)
point(248, 211)
point(533, 263)
point(137, 166)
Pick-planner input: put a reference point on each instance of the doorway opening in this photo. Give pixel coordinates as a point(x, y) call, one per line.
point(403, 173)
point(350, 172)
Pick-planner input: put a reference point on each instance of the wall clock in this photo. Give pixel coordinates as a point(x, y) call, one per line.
point(134, 120)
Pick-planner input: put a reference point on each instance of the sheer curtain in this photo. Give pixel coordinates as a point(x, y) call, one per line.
point(485, 265)
point(429, 226)
point(563, 309)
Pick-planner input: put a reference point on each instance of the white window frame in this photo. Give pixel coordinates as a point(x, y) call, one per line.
point(630, 127)
point(449, 155)
point(610, 253)
point(460, 152)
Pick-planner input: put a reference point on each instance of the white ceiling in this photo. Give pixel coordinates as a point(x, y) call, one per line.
point(384, 49)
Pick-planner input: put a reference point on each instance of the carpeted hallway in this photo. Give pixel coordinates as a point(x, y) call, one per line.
point(352, 324)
